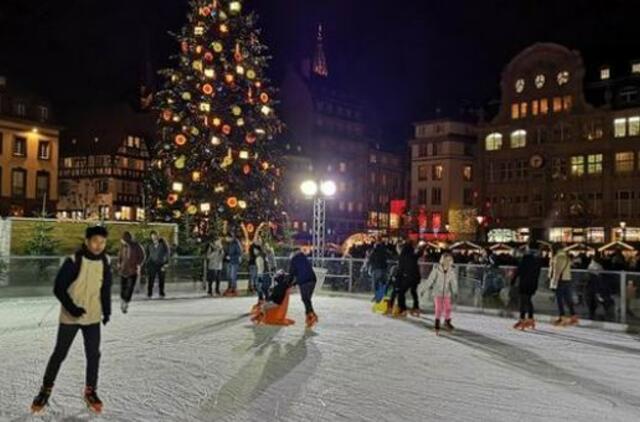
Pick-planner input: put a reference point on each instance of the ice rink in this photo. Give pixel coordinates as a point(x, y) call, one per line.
point(200, 359)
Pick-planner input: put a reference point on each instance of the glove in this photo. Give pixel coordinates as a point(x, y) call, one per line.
point(77, 312)
point(105, 319)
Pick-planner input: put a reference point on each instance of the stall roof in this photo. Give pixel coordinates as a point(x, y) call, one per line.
point(466, 245)
point(616, 244)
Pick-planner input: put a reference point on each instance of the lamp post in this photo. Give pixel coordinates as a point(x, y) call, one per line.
point(319, 192)
point(480, 220)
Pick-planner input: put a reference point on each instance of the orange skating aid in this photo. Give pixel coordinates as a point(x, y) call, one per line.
point(278, 315)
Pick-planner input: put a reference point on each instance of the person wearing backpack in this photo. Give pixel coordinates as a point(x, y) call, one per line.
point(560, 282)
point(130, 260)
point(83, 287)
point(158, 258)
point(527, 275)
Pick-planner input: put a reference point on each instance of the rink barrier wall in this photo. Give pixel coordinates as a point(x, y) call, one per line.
point(33, 276)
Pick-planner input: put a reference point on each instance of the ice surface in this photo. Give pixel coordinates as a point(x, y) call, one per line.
point(199, 359)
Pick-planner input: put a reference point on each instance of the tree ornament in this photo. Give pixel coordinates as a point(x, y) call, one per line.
point(250, 228)
point(240, 122)
point(235, 6)
point(217, 121)
point(226, 129)
point(166, 115)
point(264, 97)
point(195, 131)
point(180, 162)
point(205, 207)
point(232, 202)
point(210, 73)
point(246, 169)
point(224, 28)
point(197, 65)
point(184, 46)
point(242, 204)
point(172, 198)
point(218, 189)
point(196, 176)
point(205, 107)
point(208, 56)
point(244, 155)
point(217, 47)
point(198, 30)
point(240, 70)
point(198, 49)
point(229, 78)
point(266, 110)
point(207, 89)
point(236, 110)
point(192, 209)
point(250, 138)
point(177, 186)
point(237, 55)
point(215, 141)
point(180, 139)
point(186, 96)
point(265, 165)
point(251, 74)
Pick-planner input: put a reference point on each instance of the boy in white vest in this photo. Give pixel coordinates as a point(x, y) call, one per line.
point(83, 287)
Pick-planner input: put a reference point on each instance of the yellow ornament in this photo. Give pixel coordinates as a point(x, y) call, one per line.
point(251, 74)
point(186, 96)
point(236, 110)
point(180, 162)
point(209, 73)
point(196, 176)
point(192, 209)
point(242, 204)
point(197, 65)
point(240, 70)
point(240, 122)
point(217, 47)
point(215, 141)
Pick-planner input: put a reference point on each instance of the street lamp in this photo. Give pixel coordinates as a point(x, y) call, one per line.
point(480, 219)
point(319, 192)
point(623, 230)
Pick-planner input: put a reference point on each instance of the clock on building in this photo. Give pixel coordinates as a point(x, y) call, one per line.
point(536, 161)
point(519, 85)
point(540, 79)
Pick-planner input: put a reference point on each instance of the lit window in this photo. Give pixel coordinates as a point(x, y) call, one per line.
point(18, 183)
point(19, 146)
point(493, 142)
point(567, 102)
point(343, 167)
point(515, 111)
point(635, 67)
point(540, 79)
point(343, 187)
point(534, 107)
point(350, 206)
point(605, 73)
point(523, 110)
point(373, 159)
point(557, 104)
point(563, 77)
point(21, 109)
point(594, 164)
point(437, 172)
point(624, 162)
point(577, 165)
point(44, 150)
point(519, 139)
point(634, 126)
point(620, 128)
point(544, 106)
point(467, 173)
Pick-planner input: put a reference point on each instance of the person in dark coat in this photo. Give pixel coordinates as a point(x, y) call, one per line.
point(408, 279)
point(527, 275)
point(301, 271)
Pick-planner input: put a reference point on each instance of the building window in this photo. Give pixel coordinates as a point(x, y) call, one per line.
point(103, 186)
point(634, 126)
point(544, 106)
point(594, 164)
point(18, 183)
point(515, 111)
point(434, 149)
point(557, 104)
point(372, 176)
point(523, 110)
point(422, 172)
point(343, 167)
point(605, 73)
point(422, 197)
point(373, 159)
point(422, 150)
point(567, 102)
point(436, 196)
point(534, 107)
point(44, 150)
point(43, 113)
point(19, 147)
point(21, 109)
point(559, 168)
point(341, 206)
point(42, 185)
point(593, 130)
point(437, 172)
point(350, 206)
point(624, 162)
point(577, 166)
point(468, 196)
point(620, 128)
point(342, 187)
point(518, 139)
point(493, 142)
point(467, 173)
point(635, 67)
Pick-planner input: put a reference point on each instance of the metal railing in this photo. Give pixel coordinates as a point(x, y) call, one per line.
point(614, 294)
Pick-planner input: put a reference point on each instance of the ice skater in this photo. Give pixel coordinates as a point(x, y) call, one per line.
point(560, 282)
point(443, 286)
point(215, 260)
point(408, 279)
point(264, 280)
point(83, 287)
point(527, 275)
point(301, 271)
point(130, 260)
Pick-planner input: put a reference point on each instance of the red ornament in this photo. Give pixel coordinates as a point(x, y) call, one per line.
point(181, 139)
point(208, 56)
point(229, 78)
point(205, 11)
point(246, 169)
point(172, 198)
point(250, 228)
point(167, 114)
point(207, 89)
point(264, 97)
point(232, 202)
point(185, 47)
point(226, 129)
point(250, 138)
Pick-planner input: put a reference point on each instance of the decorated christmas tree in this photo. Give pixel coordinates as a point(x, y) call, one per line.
point(216, 159)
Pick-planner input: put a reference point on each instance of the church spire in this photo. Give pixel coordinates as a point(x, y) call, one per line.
point(319, 60)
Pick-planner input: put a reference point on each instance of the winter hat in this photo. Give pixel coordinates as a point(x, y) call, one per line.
point(95, 231)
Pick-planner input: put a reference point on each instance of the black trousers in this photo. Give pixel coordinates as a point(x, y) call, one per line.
point(155, 270)
point(564, 296)
point(66, 334)
point(402, 297)
point(414, 295)
point(213, 275)
point(127, 285)
point(306, 292)
point(526, 306)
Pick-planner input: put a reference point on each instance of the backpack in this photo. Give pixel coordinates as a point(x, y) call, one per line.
point(76, 259)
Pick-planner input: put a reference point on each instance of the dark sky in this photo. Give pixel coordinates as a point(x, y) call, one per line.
point(405, 58)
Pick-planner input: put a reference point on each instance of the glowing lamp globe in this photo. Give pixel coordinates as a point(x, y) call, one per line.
point(309, 188)
point(328, 188)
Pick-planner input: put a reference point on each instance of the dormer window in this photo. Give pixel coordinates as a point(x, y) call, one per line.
point(540, 79)
point(635, 67)
point(21, 109)
point(605, 73)
point(43, 113)
point(563, 77)
point(519, 85)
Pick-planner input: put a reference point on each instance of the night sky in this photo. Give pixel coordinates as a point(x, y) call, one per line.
point(405, 59)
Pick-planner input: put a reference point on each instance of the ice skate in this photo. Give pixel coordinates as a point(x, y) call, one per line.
point(559, 322)
point(92, 401)
point(415, 312)
point(41, 401)
point(573, 320)
point(437, 327)
point(124, 306)
point(530, 324)
point(520, 325)
point(448, 326)
point(312, 319)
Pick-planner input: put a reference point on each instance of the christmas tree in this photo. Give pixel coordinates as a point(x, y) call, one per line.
point(217, 159)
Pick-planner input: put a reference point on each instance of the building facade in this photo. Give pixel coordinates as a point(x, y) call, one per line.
point(386, 174)
point(561, 159)
point(443, 178)
point(104, 160)
point(29, 143)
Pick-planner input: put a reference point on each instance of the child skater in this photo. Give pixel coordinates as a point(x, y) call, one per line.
point(443, 285)
point(83, 287)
